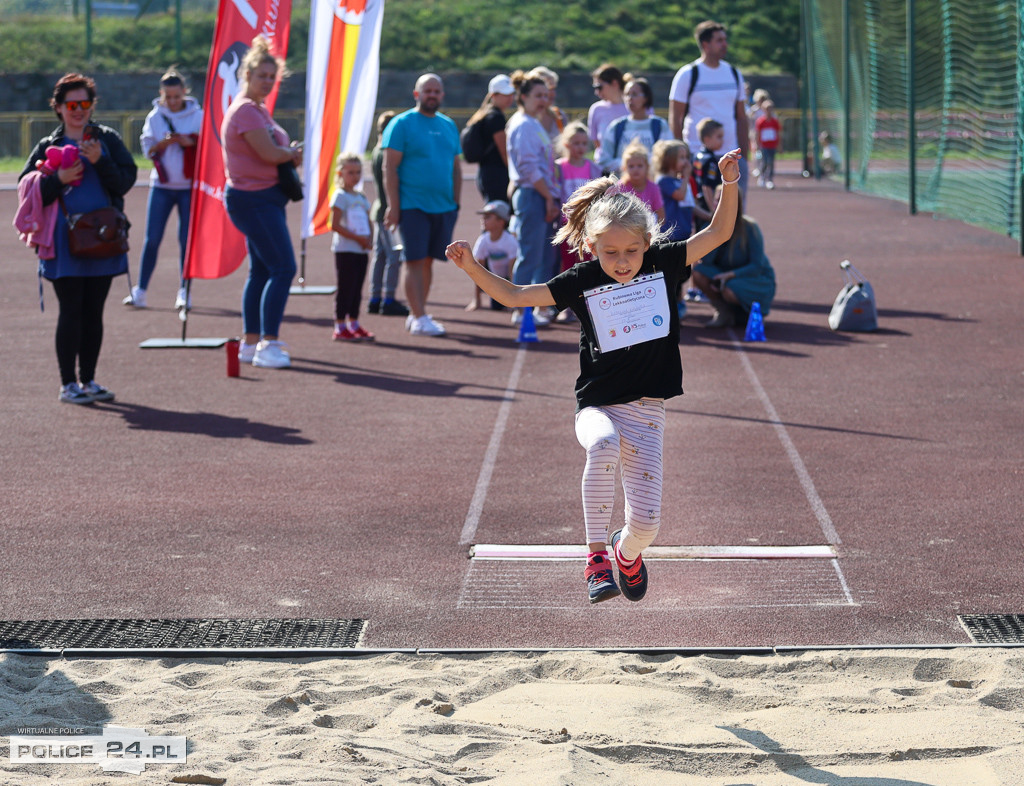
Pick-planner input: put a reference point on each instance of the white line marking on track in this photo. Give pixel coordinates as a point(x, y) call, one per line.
point(483, 481)
point(824, 520)
point(842, 582)
point(817, 506)
point(512, 551)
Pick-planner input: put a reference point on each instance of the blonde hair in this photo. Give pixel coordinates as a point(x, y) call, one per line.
point(573, 128)
point(258, 54)
point(665, 155)
point(343, 158)
point(635, 149)
point(597, 206)
point(543, 72)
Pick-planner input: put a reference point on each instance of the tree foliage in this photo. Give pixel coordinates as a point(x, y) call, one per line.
point(440, 35)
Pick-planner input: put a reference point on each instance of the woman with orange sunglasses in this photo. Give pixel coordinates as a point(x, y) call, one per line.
point(101, 174)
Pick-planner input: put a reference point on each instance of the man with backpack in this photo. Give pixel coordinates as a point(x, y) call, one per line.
point(711, 87)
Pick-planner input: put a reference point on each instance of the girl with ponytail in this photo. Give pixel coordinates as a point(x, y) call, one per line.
point(620, 392)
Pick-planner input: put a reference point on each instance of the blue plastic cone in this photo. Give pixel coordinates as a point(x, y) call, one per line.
point(755, 325)
point(527, 328)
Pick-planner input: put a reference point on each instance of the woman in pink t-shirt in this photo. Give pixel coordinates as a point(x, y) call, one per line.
point(254, 145)
point(636, 170)
point(609, 85)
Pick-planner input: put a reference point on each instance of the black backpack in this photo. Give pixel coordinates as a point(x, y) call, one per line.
point(695, 75)
point(474, 145)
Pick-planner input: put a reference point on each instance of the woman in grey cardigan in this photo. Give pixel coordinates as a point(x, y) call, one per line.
point(531, 170)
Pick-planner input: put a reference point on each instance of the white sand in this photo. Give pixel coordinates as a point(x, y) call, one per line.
point(873, 718)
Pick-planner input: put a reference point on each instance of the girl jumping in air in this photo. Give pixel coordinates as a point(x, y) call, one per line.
point(620, 393)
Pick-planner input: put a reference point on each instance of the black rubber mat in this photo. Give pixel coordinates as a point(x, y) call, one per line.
point(994, 628)
point(180, 634)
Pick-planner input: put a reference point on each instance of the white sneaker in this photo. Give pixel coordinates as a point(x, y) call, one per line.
point(541, 317)
point(246, 352)
point(409, 321)
point(183, 300)
point(517, 316)
point(426, 326)
point(271, 354)
point(137, 298)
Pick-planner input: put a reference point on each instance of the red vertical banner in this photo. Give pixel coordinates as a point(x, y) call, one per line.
point(215, 248)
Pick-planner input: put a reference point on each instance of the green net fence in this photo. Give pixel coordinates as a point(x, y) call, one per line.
point(959, 153)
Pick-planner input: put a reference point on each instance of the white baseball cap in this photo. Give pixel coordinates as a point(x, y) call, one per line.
point(499, 208)
point(501, 84)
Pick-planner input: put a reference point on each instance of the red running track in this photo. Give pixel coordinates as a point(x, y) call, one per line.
point(354, 484)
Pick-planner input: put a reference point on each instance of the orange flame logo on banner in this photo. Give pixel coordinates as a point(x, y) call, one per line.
point(341, 93)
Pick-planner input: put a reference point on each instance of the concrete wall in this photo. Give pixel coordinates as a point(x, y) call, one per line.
point(120, 91)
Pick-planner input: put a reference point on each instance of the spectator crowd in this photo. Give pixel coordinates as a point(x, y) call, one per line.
point(531, 158)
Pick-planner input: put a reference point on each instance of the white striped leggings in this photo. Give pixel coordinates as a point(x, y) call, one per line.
point(629, 437)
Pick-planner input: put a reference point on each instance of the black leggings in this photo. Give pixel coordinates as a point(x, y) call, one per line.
point(492, 182)
point(80, 324)
point(351, 269)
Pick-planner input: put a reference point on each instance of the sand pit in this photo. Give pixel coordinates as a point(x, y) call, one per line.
point(567, 717)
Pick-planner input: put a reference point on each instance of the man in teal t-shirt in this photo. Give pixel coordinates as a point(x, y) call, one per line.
point(423, 182)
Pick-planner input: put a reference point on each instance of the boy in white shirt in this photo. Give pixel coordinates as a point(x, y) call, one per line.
point(496, 248)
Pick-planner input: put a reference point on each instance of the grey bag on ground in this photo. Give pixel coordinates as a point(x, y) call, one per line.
point(855, 307)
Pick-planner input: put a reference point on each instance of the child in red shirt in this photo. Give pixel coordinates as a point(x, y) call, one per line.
point(769, 138)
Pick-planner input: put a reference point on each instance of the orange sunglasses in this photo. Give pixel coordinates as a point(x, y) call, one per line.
point(73, 105)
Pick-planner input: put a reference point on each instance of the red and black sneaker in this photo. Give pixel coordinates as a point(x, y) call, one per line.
point(632, 577)
point(600, 579)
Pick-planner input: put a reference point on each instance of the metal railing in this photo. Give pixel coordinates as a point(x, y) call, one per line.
point(20, 132)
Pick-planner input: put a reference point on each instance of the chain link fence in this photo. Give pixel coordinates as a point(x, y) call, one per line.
point(923, 101)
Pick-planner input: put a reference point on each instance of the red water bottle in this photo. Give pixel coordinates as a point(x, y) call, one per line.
point(232, 350)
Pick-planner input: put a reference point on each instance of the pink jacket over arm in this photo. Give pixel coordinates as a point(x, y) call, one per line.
point(35, 221)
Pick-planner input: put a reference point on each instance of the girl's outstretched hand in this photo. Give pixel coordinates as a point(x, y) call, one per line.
point(460, 253)
point(729, 165)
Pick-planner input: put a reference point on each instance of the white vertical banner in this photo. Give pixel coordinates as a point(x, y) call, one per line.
point(342, 73)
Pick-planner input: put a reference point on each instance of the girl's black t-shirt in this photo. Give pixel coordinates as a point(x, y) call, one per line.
point(651, 369)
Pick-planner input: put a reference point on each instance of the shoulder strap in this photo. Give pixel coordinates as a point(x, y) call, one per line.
point(655, 129)
point(694, 76)
point(619, 128)
point(64, 208)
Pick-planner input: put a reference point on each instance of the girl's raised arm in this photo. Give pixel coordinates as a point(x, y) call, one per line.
point(502, 290)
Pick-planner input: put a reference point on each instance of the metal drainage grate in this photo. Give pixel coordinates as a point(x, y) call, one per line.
point(180, 634)
point(994, 628)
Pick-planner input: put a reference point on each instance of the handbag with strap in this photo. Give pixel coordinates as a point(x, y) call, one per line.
point(289, 181)
point(97, 234)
